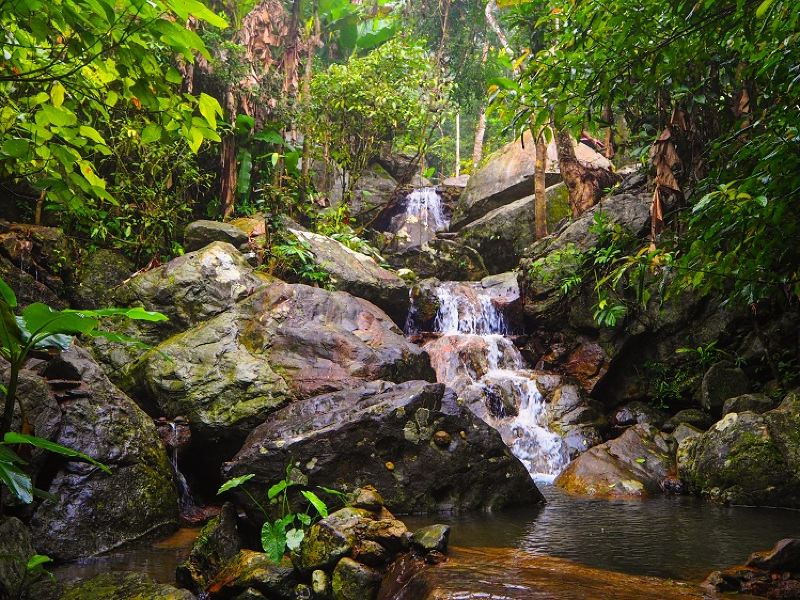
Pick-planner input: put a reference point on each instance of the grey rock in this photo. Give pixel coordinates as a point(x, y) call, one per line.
point(199, 234)
point(721, 382)
point(757, 403)
point(431, 538)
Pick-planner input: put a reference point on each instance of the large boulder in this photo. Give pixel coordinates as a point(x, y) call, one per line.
point(386, 435)
point(575, 418)
point(508, 176)
point(199, 234)
point(191, 288)
point(502, 235)
point(721, 382)
point(91, 511)
point(358, 274)
point(286, 341)
point(637, 464)
point(449, 260)
point(749, 458)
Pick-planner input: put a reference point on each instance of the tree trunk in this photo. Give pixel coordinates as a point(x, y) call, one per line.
point(312, 46)
point(458, 144)
point(585, 183)
point(491, 7)
point(480, 128)
point(540, 197)
point(227, 160)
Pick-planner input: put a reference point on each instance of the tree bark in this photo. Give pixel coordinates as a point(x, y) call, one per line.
point(584, 183)
point(540, 196)
point(480, 127)
point(491, 7)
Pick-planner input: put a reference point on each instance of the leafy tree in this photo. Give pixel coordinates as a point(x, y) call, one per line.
point(357, 106)
point(72, 69)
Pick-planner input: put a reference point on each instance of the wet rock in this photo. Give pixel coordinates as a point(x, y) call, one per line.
point(576, 418)
point(690, 416)
point(92, 511)
point(123, 586)
point(37, 262)
point(320, 583)
point(637, 464)
point(431, 538)
point(784, 556)
point(284, 342)
point(358, 274)
point(508, 176)
point(250, 594)
point(721, 382)
point(638, 412)
point(175, 434)
point(100, 272)
point(350, 437)
point(200, 234)
point(15, 550)
point(216, 545)
point(354, 581)
point(367, 498)
point(747, 458)
point(449, 260)
point(254, 570)
point(330, 539)
point(586, 363)
point(502, 235)
point(757, 403)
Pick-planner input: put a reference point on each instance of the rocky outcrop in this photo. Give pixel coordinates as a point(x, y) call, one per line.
point(199, 234)
point(91, 511)
point(449, 260)
point(637, 464)
point(508, 176)
point(502, 235)
point(771, 574)
point(576, 418)
point(387, 435)
point(284, 342)
point(358, 274)
point(749, 458)
point(721, 382)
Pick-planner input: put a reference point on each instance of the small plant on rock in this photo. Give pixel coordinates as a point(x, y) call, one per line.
point(289, 529)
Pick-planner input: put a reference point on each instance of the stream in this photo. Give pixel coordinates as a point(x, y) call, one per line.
point(471, 345)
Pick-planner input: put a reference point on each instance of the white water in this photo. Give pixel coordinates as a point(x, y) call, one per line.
point(476, 358)
point(425, 206)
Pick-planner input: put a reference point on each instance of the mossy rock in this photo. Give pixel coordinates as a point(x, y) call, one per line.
point(124, 586)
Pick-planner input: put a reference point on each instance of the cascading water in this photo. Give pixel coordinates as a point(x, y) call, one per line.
point(474, 356)
point(425, 205)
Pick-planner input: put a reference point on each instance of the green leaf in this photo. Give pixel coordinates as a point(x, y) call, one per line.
point(57, 94)
point(135, 314)
point(276, 489)
point(245, 168)
point(294, 537)
point(209, 108)
point(273, 540)
point(40, 321)
point(270, 136)
point(7, 294)
point(763, 8)
point(12, 438)
point(92, 134)
point(36, 561)
point(234, 483)
point(151, 133)
point(16, 147)
point(316, 502)
point(16, 481)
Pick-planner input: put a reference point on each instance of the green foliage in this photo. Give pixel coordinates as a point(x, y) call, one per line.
point(288, 530)
point(335, 223)
point(39, 327)
point(294, 257)
point(73, 69)
point(393, 90)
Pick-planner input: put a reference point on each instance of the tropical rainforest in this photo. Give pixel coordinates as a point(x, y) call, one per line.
point(399, 299)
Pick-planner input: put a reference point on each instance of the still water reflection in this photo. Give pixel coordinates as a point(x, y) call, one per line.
point(680, 537)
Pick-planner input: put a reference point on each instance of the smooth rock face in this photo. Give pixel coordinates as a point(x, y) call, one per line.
point(433, 538)
point(284, 342)
point(382, 434)
point(15, 550)
point(747, 458)
point(358, 274)
point(502, 235)
point(199, 234)
point(508, 176)
point(576, 418)
point(637, 464)
point(721, 382)
point(123, 586)
point(93, 511)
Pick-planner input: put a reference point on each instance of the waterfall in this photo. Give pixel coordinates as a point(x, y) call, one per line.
point(474, 356)
point(425, 205)
point(184, 492)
